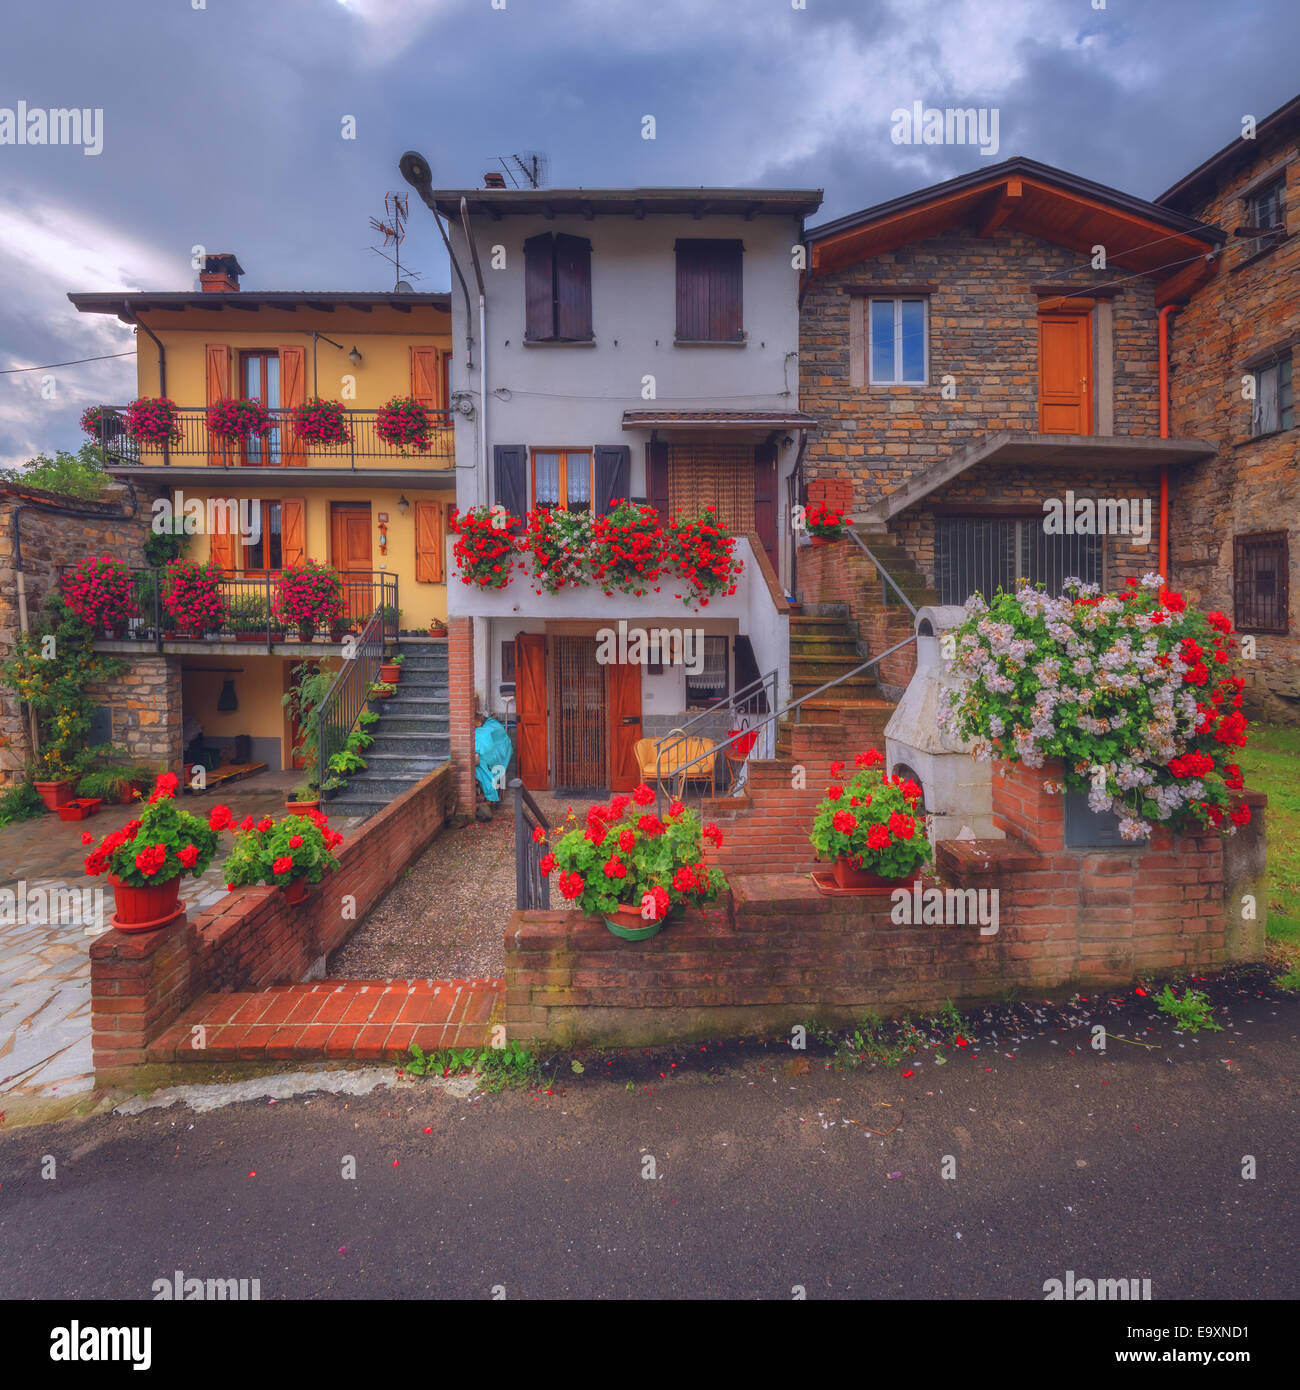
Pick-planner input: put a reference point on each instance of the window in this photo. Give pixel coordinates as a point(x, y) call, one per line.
point(1266, 209)
point(713, 683)
point(898, 351)
point(260, 373)
point(988, 553)
point(562, 478)
point(1274, 406)
point(1259, 582)
point(508, 662)
point(557, 288)
point(267, 551)
point(710, 291)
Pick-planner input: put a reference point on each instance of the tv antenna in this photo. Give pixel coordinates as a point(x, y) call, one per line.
point(530, 169)
point(393, 229)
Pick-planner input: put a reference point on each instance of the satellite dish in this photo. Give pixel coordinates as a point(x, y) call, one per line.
point(403, 287)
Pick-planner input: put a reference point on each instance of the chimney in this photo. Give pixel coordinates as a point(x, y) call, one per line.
point(491, 180)
point(220, 273)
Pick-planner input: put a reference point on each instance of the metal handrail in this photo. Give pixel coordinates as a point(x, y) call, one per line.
point(532, 887)
point(758, 685)
point(779, 714)
point(337, 714)
point(880, 569)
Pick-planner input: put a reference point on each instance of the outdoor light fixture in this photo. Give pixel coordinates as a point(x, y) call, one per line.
point(354, 357)
point(227, 700)
point(403, 505)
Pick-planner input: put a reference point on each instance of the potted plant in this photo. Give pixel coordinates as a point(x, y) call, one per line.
point(54, 779)
point(631, 868)
point(287, 854)
point(825, 524)
point(627, 549)
point(247, 617)
point(389, 616)
point(391, 670)
point(380, 690)
point(700, 551)
point(556, 545)
point(145, 859)
point(484, 549)
point(192, 598)
point(330, 788)
point(308, 596)
point(321, 423)
point(869, 826)
point(79, 808)
point(230, 420)
point(308, 686)
point(153, 420)
point(404, 423)
point(101, 592)
point(437, 628)
point(115, 783)
point(305, 798)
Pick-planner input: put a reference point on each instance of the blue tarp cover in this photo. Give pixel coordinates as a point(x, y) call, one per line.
point(493, 747)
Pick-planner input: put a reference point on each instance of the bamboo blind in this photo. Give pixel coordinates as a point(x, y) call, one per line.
point(722, 474)
point(578, 699)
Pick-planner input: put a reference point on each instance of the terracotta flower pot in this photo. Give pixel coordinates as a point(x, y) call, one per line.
point(302, 807)
point(390, 673)
point(628, 923)
point(850, 878)
point(55, 794)
point(306, 632)
point(144, 909)
point(295, 891)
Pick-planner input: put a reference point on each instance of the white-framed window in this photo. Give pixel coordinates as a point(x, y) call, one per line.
point(1274, 407)
point(898, 346)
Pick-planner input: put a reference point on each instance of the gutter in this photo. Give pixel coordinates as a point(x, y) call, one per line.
point(1163, 352)
point(483, 490)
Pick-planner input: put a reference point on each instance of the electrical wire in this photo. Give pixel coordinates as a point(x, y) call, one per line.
point(76, 362)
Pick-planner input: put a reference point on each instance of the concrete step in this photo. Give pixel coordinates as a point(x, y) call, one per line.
point(814, 672)
point(366, 786)
point(824, 648)
point(405, 703)
point(412, 723)
point(402, 764)
point(411, 742)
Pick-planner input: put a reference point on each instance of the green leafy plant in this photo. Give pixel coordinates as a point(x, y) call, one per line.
point(345, 762)
point(247, 612)
point(161, 547)
point(277, 852)
point(871, 820)
point(1191, 1012)
point(19, 802)
point(80, 475)
point(308, 686)
point(511, 1065)
point(164, 843)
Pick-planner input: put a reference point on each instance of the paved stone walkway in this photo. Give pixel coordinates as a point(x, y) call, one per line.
point(45, 966)
point(333, 1020)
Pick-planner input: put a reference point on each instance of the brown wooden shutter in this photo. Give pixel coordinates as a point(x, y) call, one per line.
point(293, 392)
point(709, 290)
point(765, 500)
point(539, 287)
point(424, 375)
point(572, 287)
point(217, 357)
point(613, 476)
point(531, 704)
point(428, 543)
point(656, 478)
point(221, 543)
point(510, 465)
point(292, 531)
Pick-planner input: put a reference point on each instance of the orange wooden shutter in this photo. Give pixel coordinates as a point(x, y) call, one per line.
point(293, 391)
point(428, 543)
point(221, 543)
point(218, 378)
point(291, 531)
point(531, 702)
point(424, 375)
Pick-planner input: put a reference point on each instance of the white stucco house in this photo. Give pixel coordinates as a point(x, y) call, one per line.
point(639, 344)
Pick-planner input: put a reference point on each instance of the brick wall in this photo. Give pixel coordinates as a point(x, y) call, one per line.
point(1250, 306)
point(460, 666)
point(776, 952)
point(252, 938)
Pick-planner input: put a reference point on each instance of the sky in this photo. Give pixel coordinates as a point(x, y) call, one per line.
point(224, 125)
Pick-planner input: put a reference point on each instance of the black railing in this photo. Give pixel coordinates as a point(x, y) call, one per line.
point(337, 714)
point(532, 887)
point(280, 448)
point(247, 612)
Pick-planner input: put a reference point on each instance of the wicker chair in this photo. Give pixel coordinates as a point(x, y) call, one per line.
point(675, 761)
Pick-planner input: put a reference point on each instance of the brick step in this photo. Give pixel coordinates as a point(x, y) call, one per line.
point(855, 688)
point(334, 1020)
point(820, 626)
point(813, 673)
point(843, 648)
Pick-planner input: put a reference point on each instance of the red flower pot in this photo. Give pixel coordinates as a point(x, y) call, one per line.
point(851, 879)
point(390, 673)
point(144, 909)
point(302, 807)
point(55, 794)
point(295, 891)
point(82, 808)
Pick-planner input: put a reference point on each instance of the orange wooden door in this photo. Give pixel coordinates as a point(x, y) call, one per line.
point(1065, 372)
point(530, 703)
point(623, 700)
point(350, 551)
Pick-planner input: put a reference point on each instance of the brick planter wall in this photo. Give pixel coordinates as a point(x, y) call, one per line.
point(252, 938)
point(777, 952)
point(460, 672)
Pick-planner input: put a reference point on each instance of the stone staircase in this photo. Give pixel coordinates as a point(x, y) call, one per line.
point(412, 737)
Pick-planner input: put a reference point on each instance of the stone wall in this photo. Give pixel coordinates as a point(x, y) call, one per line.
point(1251, 306)
point(145, 708)
point(141, 982)
point(777, 952)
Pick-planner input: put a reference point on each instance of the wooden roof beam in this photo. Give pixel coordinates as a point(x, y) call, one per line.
point(1009, 198)
point(1182, 282)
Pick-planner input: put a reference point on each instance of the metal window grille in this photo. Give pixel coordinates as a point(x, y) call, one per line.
point(1260, 566)
point(985, 554)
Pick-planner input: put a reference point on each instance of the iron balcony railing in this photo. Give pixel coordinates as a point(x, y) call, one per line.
point(532, 887)
point(279, 448)
point(337, 714)
point(247, 610)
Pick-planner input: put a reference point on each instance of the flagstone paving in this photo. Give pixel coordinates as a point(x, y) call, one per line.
point(45, 966)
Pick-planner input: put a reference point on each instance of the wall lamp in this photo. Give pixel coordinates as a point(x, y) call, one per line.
point(403, 505)
point(354, 357)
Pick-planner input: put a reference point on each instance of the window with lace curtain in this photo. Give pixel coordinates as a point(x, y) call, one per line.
point(713, 681)
point(1274, 407)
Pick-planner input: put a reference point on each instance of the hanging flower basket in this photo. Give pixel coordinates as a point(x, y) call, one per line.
point(404, 423)
point(308, 596)
point(101, 423)
point(321, 423)
point(193, 598)
point(101, 592)
point(231, 420)
point(152, 420)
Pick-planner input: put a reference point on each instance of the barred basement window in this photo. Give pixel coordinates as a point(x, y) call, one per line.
point(712, 683)
point(988, 553)
point(1259, 582)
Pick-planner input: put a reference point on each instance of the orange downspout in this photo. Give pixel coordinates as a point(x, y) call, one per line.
point(1164, 434)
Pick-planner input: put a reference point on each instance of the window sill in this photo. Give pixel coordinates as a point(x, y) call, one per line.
point(710, 342)
point(1260, 438)
point(559, 342)
point(1259, 255)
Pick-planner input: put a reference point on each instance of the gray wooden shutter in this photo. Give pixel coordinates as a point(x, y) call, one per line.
point(613, 476)
point(539, 287)
point(765, 501)
point(510, 467)
point(572, 287)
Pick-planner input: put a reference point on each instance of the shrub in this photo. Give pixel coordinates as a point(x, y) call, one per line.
point(872, 820)
point(19, 802)
point(162, 844)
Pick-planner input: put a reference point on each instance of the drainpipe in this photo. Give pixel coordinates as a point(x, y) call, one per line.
point(1163, 326)
point(483, 489)
point(133, 317)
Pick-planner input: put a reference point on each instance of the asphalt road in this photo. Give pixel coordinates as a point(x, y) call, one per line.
point(1126, 1164)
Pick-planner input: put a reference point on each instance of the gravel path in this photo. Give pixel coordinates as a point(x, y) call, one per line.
point(446, 916)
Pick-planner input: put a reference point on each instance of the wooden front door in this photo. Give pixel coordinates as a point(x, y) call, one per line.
point(623, 701)
point(350, 552)
point(532, 753)
point(1065, 371)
